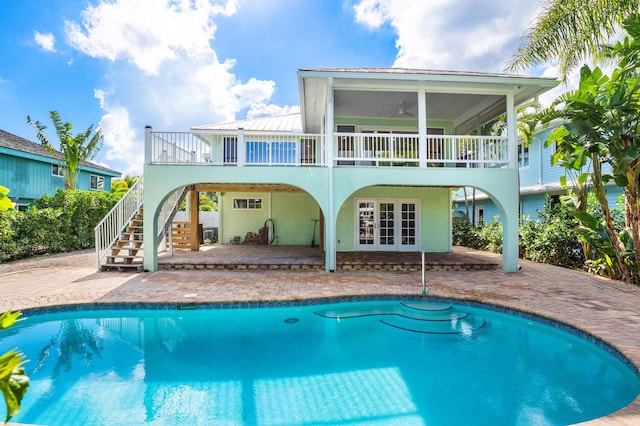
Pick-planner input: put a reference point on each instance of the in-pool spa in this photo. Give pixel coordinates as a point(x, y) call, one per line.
point(357, 363)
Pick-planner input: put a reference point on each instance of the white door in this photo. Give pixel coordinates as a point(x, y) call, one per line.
point(387, 225)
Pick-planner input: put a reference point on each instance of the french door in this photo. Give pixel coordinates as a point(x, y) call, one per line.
point(387, 225)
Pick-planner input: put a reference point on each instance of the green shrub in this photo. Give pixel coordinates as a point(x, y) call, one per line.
point(58, 223)
point(79, 213)
point(462, 232)
point(8, 242)
point(550, 239)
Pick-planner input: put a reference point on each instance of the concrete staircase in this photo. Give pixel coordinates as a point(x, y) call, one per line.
point(127, 253)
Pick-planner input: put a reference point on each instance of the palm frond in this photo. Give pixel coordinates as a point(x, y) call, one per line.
point(567, 31)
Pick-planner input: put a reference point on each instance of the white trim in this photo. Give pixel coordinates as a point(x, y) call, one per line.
point(397, 246)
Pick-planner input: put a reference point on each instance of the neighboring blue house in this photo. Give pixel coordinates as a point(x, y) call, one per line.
point(30, 171)
point(538, 178)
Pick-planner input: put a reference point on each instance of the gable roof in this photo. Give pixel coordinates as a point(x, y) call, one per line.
point(277, 123)
point(16, 143)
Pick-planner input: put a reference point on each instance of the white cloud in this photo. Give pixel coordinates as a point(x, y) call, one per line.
point(450, 34)
point(163, 73)
point(122, 141)
point(45, 41)
point(147, 32)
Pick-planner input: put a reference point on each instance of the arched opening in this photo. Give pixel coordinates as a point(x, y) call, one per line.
point(255, 226)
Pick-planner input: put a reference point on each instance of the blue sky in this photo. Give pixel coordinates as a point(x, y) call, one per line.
point(121, 64)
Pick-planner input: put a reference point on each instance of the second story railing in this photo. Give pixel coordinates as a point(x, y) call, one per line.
point(366, 149)
point(244, 148)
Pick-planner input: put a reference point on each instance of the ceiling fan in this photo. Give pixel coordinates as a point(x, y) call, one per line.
point(402, 111)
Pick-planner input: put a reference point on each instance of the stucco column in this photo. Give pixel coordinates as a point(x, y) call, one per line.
point(510, 229)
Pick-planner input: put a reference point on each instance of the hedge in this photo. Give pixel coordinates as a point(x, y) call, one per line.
point(55, 224)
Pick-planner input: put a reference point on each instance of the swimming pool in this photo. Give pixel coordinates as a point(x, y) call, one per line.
point(377, 362)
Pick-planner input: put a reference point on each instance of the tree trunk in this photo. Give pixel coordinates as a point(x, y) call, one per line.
point(601, 195)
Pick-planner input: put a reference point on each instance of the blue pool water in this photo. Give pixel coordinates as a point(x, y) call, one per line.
point(357, 363)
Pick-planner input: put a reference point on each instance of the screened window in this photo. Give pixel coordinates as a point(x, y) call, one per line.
point(56, 170)
point(96, 183)
point(247, 203)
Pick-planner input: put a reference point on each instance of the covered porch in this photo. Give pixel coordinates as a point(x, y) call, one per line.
point(305, 258)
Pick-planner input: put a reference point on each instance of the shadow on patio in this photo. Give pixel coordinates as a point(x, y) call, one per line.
point(258, 257)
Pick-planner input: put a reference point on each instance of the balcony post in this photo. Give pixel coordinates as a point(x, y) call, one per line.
point(422, 128)
point(330, 242)
point(148, 149)
point(512, 132)
point(241, 149)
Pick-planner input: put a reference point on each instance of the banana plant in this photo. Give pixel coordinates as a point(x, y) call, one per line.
point(5, 201)
point(13, 379)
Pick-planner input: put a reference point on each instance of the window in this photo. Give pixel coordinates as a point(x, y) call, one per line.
point(247, 203)
point(271, 152)
point(523, 155)
point(479, 216)
point(96, 183)
point(230, 146)
point(56, 170)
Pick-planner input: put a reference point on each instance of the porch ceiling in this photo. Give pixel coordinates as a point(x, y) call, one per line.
point(454, 107)
point(462, 97)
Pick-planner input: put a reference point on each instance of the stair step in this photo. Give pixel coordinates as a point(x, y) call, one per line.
point(122, 267)
point(129, 248)
point(120, 256)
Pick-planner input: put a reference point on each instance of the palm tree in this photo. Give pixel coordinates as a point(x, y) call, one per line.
point(602, 127)
point(567, 31)
point(74, 150)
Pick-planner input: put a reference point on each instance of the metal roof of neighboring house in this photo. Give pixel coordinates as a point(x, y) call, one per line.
point(278, 123)
point(16, 143)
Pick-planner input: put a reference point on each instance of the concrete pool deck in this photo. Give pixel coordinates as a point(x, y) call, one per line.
point(603, 308)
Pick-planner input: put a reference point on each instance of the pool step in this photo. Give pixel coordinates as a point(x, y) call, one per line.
point(418, 317)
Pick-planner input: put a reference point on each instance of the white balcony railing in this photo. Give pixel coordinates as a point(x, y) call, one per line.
point(365, 149)
point(348, 149)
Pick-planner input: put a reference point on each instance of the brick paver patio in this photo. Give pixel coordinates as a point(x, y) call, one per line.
point(608, 310)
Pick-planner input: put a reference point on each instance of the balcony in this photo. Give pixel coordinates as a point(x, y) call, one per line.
point(310, 150)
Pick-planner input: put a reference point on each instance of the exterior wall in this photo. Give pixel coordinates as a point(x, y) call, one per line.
point(434, 225)
point(29, 177)
point(540, 170)
point(376, 123)
point(292, 215)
